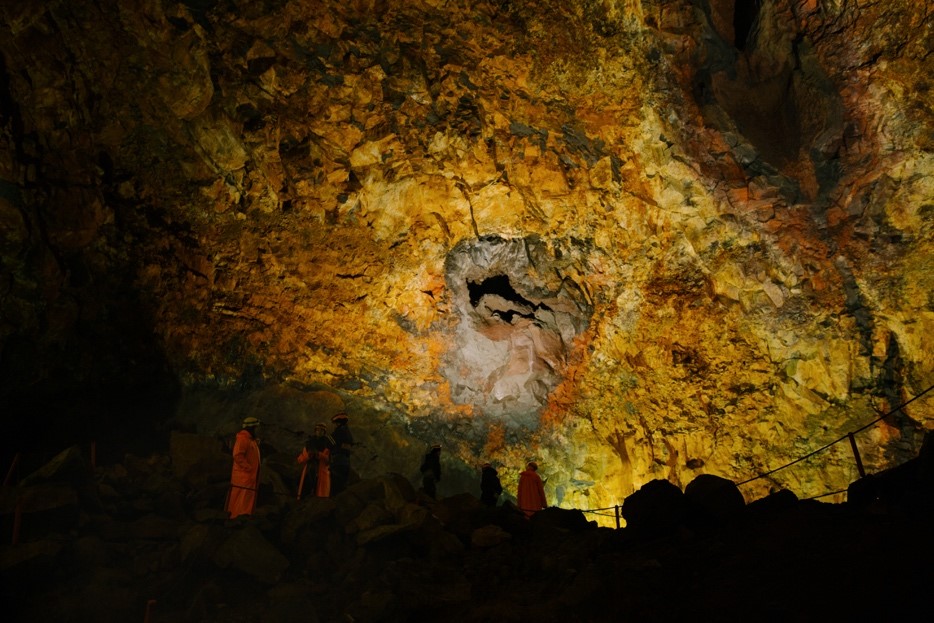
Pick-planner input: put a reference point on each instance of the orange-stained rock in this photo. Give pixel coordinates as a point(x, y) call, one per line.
point(717, 238)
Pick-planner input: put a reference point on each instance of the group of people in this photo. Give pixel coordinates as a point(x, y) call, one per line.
point(530, 494)
point(325, 461)
point(328, 456)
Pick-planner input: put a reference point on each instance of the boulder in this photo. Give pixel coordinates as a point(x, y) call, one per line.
point(418, 585)
point(69, 465)
point(248, 551)
point(379, 533)
point(293, 601)
point(373, 515)
point(898, 486)
point(488, 536)
point(562, 518)
point(772, 505)
point(45, 508)
point(398, 492)
point(716, 496)
point(305, 515)
point(199, 543)
point(657, 507)
point(29, 561)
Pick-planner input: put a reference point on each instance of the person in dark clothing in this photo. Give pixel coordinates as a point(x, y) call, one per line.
point(340, 455)
point(431, 470)
point(317, 455)
point(490, 486)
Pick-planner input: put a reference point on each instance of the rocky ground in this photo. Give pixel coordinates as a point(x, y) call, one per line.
point(148, 534)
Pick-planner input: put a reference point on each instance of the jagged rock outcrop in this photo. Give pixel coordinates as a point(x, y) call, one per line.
point(632, 239)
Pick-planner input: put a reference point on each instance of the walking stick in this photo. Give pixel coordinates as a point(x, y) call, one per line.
point(149, 605)
point(9, 474)
point(301, 482)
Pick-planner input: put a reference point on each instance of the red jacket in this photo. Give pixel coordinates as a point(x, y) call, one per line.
point(322, 461)
point(531, 495)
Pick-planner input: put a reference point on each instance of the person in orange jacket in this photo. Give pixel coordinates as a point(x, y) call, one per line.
point(317, 453)
point(531, 494)
point(244, 476)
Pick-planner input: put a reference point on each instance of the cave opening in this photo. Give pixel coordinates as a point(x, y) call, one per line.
point(499, 287)
point(745, 14)
point(518, 320)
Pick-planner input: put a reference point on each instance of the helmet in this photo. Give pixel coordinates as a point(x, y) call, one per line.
point(250, 422)
point(340, 417)
point(532, 466)
point(437, 446)
point(321, 426)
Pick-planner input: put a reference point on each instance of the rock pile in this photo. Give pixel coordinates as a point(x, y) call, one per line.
point(147, 535)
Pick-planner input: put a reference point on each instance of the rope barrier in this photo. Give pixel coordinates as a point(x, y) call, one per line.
point(836, 441)
point(617, 508)
point(823, 495)
point(595, 511)
point(608, 508)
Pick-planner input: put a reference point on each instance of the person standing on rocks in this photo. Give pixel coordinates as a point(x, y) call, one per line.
point(244, 476)
point(317, 454)
point(431, 470)
point(490, 486)
point(531, 494)
point(340, 456)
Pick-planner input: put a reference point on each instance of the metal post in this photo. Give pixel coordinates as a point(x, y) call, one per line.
point(859, 462)
point(617, 516)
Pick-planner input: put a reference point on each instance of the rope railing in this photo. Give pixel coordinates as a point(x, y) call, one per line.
point(849, 436)
point(593, 510)
point(599, 513)
point(616, 508)
point(824, 495)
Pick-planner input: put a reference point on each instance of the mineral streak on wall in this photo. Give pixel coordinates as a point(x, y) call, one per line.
point(629, 239)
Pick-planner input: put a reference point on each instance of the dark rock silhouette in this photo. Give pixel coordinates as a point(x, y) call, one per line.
point(910, 484)
point(102, 544)
point(717, 496)
point(656, 508)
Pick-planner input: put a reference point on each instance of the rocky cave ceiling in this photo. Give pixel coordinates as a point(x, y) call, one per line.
point(631, 239)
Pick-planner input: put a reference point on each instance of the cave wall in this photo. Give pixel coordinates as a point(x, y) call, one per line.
point(629, 239)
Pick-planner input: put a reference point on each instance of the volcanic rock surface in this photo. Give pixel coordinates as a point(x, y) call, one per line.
point(631, 239)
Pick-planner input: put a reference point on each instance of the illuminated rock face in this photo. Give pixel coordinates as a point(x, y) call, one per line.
point(631, 239)
point(518, 322)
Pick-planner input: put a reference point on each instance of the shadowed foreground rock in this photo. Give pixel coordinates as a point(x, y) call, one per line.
point(108, 541)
